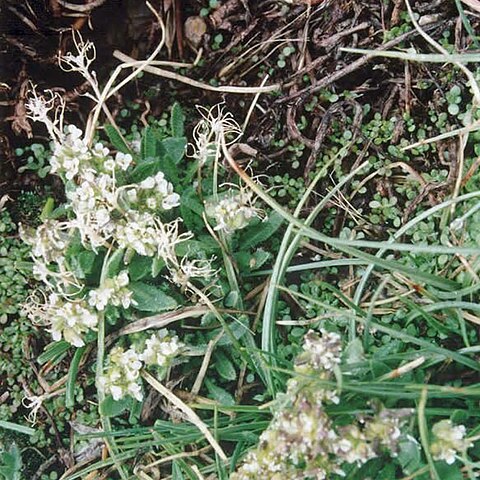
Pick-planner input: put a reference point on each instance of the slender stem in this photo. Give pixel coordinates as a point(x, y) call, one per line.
point(107, 427)
point(423, 429)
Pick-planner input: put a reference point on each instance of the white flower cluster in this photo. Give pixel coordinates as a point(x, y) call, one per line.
point(105, 211)
point(215, 123)
point(68, 320)
point(71, 156)
point(449, 441)
point(301, 442)
point(188, 269)
point(48, 241)
point(160, 349)
point(113, 291)
point(155, 193)
point(122, 375)
point(322, 351)
point(233, 212)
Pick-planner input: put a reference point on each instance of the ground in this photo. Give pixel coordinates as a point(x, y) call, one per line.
point(340, 145)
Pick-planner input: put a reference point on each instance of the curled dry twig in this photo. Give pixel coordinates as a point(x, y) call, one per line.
point(86, 8)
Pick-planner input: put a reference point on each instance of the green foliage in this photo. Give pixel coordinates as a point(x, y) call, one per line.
point(13, 279)
point(149, 298)
point(36, 157)
point(407, 319)
point(10, 463)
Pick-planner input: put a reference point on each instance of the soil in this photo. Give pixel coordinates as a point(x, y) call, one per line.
point(240, 43)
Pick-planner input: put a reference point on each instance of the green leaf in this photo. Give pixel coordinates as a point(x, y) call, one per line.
point(140, 267)
point(83, 263)
point(149, 298)
point(116, 140)
point(206, 245)
point(72, 377)
point(11, 463)
point(354, 353)
point(261, 232)
point(238, 329)
point(47, 209)
point(173, 147)
point(252, 261)
point(177, 120)
point(16, 428)
point(388, 471)
point(112, 408)
point(149, 142)
point(146, 168)
point(225, 367)
point(219, 394)
point(53, 352)
point(171, 170)
point(177, 472)
point(115, 263)
point(409, 455)
point(157, 266)
point(191, 209)
point(449, 472)
point(259, 258)
point(135, 412)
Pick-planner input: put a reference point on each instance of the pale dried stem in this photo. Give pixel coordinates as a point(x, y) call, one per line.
point(205, 363)
point(176, 456)
point(130, 62)
point(437, 46)
point(408, 367)
point(109, 90)
point(191, 415)
point(253, 104)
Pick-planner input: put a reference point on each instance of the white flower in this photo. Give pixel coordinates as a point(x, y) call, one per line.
point(82, 59)
point(122, 279)
point(187, 269)
point(49, 241)
point(99, 298)
point(152, 203)
point(93, 202)
point(321, 351)
point(171, 201)
point(132, 195)
point(353, 446)
point(449, 440)
point(148, 236)
point(100, 150)
point(206, 134)
point(233, 212)
point(148, 183)
point(122, 375)
point(71, 154)
point(123, 160)
point(44, 110)
point(109, 164)
point(155, 192)
point(113, 291)
point(160, 348)
point(168, 237)
point(138, 232)
point(102, 216)
point(68, 320)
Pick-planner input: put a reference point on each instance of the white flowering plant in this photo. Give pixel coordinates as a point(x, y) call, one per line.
point(172, 274)
point(117, 248)
point(133, 246)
